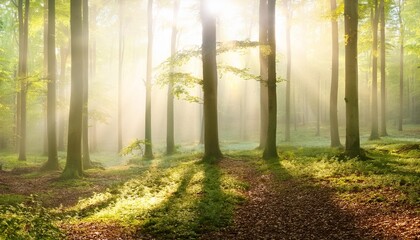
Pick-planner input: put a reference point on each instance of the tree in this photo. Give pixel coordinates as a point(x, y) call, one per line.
point(351, 78)
point(85, 118)
point(23, 15)
point(52, 162)
point(170, 135)
point(211, 135)
point(400, 5)
point(74, 166)
point(270, 150)
point(120, 71)
point(383, 131)
point(263, 38)
point(374, 134)
point(288, 10)
point(148, 153)
point(335, 136)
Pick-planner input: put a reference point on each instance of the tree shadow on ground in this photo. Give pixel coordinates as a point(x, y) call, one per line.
point(280, 206)
point(200, 204)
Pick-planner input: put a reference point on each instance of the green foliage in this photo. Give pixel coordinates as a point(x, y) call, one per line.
point(9, 199)
point(134, 147)
point(28, 221)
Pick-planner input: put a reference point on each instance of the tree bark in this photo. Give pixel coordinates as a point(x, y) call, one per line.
point(120, 72)
point(401, 108)
point(270, 150)
point(288, 71)
point(64, 52)
point(211, 135)
point(334, 132)
point(74, 166)
point(263, 38)
point(351, 81)
point(148, 153)
point(383, 131)
point(374, 134)
point(170, 130)
point(23, 15)
point(85, 118)
point(52, 162)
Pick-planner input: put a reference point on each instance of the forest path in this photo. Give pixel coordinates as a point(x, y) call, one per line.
point(280, 207)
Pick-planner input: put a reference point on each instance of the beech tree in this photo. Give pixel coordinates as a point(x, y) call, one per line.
point(170, 129)
point(85, 118)
point(23, 16)
point(74, 166)
point(351, 78)
point(334, 133)
point(52, 162)
point(270, 150)
point(211, 135)
point(383, 131)
point(374, 134)
point(148, 152)
point(263, 39)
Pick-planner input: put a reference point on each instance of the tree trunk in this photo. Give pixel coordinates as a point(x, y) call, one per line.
point(383, 131)
point(270, 150)
point(45, 74)
point(288, 71)
point(263, 38)
point(148, 153)
point(401, 108)
point(211, 135)
point(120, 72)
point(74, 166)
point(85, 118)
point(61, 123)
point(170, 130)
point(318, 109)
point(335, 135)
point(374, 134)
point(92, 73)
point(351, 83)
point(23, 73)
point(52, 162)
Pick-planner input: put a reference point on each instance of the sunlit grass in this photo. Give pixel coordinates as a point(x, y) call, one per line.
point(172, 197)
point(390, 167)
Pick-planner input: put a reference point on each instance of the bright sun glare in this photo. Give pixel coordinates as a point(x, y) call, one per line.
point(218, 7)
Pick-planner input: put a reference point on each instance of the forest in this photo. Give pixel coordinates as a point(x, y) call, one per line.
point(209, 119)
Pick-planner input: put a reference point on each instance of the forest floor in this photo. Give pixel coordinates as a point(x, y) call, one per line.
point(306, 194)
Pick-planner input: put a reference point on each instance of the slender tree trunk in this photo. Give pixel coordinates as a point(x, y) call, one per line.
point(85, 118)
point(74, 165)
point(270, 150)
point(383, 131)
point(335, 135)
point(351, 83)
point(45, 74)
point(61, 88)
point(374, 134)
point(288, 71)
point(211, 130)
point(263, 38)
point(92, 72)
point(318, 109)
point(120, 72)
point(401, 108)
point(148, 153)
point(170, 130)
point(23, 72)
point(52, 162)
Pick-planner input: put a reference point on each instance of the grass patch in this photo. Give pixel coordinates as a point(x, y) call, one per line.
point(11, 199)
point(174, 197)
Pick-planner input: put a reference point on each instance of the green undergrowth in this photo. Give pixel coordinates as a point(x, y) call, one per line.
point(28, 221)
point(175, 197)
point(393, 167)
